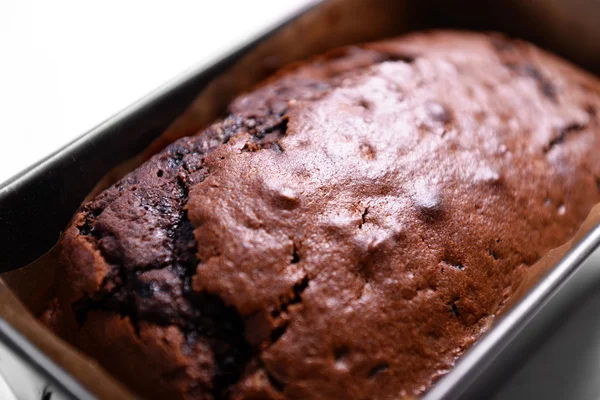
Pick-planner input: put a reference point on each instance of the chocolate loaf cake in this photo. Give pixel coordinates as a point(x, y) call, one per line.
point(346, 232)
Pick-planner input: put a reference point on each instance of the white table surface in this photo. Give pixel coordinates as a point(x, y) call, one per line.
point(65, 66)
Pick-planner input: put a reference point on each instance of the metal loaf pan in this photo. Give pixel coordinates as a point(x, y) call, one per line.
point(37, 204)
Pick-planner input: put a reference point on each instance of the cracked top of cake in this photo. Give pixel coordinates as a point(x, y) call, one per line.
point(347, 231)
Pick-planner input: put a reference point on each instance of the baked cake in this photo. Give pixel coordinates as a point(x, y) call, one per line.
point(345, 232)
